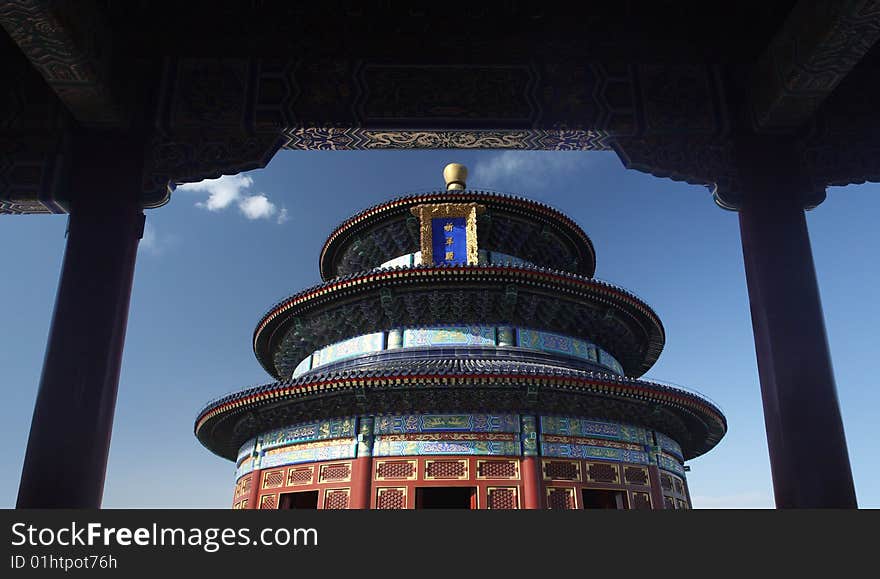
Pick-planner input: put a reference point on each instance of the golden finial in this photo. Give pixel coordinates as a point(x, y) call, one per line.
point(455, 176)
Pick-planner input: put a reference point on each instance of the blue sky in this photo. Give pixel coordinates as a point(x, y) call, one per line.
point(217, 256)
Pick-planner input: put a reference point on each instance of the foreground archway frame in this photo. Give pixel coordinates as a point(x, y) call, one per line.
point(679, 92)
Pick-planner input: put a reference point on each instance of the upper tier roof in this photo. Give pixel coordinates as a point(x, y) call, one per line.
point(513, 225)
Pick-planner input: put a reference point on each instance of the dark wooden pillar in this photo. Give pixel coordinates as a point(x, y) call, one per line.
point(69, 439)
point(808, 455)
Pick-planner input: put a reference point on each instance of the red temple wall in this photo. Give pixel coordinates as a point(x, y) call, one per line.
point(500, 482)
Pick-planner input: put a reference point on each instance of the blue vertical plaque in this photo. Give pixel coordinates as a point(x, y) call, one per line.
point(449, 240)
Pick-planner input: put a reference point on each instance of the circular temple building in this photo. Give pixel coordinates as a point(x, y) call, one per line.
point(460, 354)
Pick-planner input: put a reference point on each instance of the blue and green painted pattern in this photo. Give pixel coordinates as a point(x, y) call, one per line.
point(446, 423)
point(566, 426)
point(299, 443)
point(529, 436)
point(365, 436)
point(304, 453)
point(380, 436)
point(348, 349)
point(311, 431)
point(668, 445)
point(246, 450)
point(246, 466)
point(610, 361)
point(439, 336)
point(430, 447)
point(564, 450)
point(449, 336)
point(556, 343)
point(670, 464)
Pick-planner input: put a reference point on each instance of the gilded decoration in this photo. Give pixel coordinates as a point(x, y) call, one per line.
point(498, 469)
point(502, 498)
point(300, 476)
point(391, 498)
point(446, 470)
point(353, 138)
point(396, 470)
point(467, 211)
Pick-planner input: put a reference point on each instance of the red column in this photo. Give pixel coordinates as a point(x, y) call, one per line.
point(254, 493)
point(656, 489)
point(530, 465)
point(532, 486)
point(69, 440)
point(362, 466)
point(361, 476)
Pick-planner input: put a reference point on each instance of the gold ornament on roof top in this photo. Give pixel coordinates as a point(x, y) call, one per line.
point(455, 175)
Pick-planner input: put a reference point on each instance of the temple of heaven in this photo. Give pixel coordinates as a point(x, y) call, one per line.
point(460, 354)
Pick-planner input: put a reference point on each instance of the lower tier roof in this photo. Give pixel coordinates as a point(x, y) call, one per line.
point(455, 385)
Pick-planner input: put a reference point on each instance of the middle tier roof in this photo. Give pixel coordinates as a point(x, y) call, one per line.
point(522, 296)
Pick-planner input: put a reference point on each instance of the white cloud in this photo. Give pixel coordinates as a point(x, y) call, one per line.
point(525, 168)
point(748, 500)
point(230, 190)
point(222, 192)
point(282, 216)
point(257, 207)
point(154, 243)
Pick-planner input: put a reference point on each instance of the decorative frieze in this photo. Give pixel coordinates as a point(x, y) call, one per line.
point(449, 336)
point(569, 426)
point(556, 343)
point(446, 422)
point(384, 447)
point(668, 445)
point(309, 452)
point(594, 452)
point(312, 431)
point(670, 464)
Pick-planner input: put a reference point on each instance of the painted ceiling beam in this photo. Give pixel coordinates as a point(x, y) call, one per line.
point(70, 44)
point(817, 46)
